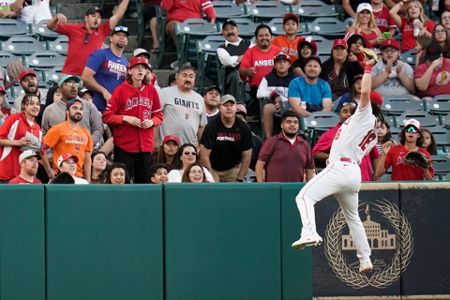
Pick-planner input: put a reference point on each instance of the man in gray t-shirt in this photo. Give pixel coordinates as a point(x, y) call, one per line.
point(183, 109)
point(392, 77)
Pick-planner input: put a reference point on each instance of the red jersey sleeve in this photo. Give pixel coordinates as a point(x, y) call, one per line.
point(66, 28)
point(429, 25)
point(157, 115)
point(208, 9)
point(167, 4)
point(324, 142)
point(6, 126)
point(111, 114)
point(388, 160)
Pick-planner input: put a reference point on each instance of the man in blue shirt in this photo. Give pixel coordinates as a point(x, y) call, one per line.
point(310, 93)
point(106, 68)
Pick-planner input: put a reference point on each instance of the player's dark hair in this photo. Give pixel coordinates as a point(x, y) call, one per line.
point(261, 26)
point(288, 114)
point(402, 137)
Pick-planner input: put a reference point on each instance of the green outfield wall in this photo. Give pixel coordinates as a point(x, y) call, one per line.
point(190, 241)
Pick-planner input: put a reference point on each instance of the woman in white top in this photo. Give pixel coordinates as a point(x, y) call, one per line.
point(187, 154)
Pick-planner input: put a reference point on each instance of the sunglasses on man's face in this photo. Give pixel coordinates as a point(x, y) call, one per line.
point(411, 129)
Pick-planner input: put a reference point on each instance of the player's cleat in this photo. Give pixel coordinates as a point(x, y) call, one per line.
point(307, 241)
point(365, 267)
point(369, 54)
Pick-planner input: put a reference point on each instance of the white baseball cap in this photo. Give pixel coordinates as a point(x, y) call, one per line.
point(27, 154)
point(411, 122)
point(364, 6)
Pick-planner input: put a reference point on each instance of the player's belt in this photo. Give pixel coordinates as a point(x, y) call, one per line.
point(346, 159)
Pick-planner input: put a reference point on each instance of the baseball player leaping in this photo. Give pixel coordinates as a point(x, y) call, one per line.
point(342, 176)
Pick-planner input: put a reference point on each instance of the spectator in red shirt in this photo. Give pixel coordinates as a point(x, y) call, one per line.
point(133, 111)
point(321, 150)
point(29, 162)
point(410, 140)
point(382, 17)
point(86, 37)
point(432, 78)
point(19, 132)
point(414, 26)
point(285, 157)
point(257, 63)
point(180, 10)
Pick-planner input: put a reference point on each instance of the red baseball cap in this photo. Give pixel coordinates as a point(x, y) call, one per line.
point(2, 90)
point(376, 98)
point(308, 42)
point(134, 61)
point(339, 42)
point(173, 138)
point(25, 73)
point(290, 16)
point(390, 43)
point(63, 157)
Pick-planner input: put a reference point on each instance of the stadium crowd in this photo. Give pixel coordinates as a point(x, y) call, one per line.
point(107, 120)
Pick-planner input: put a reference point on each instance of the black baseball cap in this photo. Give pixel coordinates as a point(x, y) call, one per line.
point(229, 21)
point(313, 57)
point(94, 9)
point(72, 102)
point(434, 51)
point(212, 87)
point(120, 29)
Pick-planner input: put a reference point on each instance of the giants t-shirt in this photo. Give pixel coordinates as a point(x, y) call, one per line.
point(110, 71)
point(262, 61)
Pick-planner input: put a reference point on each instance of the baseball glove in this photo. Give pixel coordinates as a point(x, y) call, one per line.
point(417, 159)
point(13, 69)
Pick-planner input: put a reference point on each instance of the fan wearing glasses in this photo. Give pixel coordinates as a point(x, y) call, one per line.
point(85, 38)
point(410, 140)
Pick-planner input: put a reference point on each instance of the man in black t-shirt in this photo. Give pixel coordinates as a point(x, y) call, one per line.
point(226, 144)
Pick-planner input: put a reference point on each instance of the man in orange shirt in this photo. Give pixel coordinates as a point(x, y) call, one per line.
point(289, 41)
point(71, 137)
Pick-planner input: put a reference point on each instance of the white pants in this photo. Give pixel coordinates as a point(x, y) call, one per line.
point(343, 180)
point(39, 11)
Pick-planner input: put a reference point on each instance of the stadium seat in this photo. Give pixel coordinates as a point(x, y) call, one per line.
point(45, 60)
point(161, 27)
point(441, 164)
point(52, 75)
point(59, 45)
point(23, 45)
point(446, 177)
point(398, 105)
point(425, 119)
point(206, 61)
point(311, 9)
point(188, 33)
point(41, 31)
point(229, 10)
point(246, 28)
point(323, 44)
point(327, 26)
point(409, 57)
point(441, 136)
point(5, 58)
point(11, 27)
point(276, 25)
point(264, 11)
point(317, 123)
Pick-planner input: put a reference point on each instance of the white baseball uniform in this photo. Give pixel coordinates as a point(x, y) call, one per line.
point(342, 178)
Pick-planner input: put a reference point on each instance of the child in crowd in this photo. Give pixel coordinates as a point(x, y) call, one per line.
point(118, 174)
point(158, 173)
point(383, 134)
point(429, 143)
point(306, 48)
